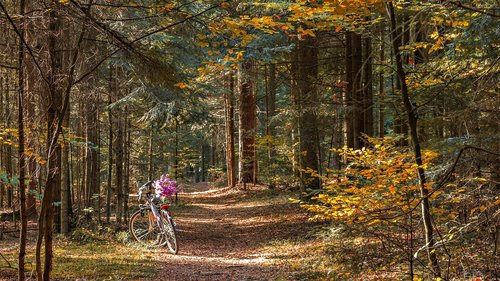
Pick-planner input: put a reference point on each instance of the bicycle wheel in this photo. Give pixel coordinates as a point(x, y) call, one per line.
point(169, 234)
point(145, 230)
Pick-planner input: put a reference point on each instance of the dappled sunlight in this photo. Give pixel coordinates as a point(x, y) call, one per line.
point(225, 231)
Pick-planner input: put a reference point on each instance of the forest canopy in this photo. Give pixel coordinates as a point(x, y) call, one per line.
point(381, 117)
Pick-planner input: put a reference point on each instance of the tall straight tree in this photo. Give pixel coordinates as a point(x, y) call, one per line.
point(247, 122)
point(118, 149)
point(357, 88)
point(367, 87)
point(229, 125)
point(271, 87)
point(21, 152)
point(348, 93)
point(111, 90)
point(308, 120)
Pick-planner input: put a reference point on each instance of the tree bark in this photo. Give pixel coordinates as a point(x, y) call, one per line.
point(248, 123)
point(309, 101)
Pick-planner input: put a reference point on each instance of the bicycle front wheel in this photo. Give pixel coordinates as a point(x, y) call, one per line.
point(145, 230)
point(169, 234)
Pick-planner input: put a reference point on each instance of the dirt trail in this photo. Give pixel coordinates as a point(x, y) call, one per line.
point(222, 234)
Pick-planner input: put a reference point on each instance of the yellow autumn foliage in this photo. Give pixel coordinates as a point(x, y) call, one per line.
point(379, 182)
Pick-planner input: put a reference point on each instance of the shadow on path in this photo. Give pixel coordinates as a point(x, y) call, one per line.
point(222, 234)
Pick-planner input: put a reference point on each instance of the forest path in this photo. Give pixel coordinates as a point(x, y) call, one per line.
point(224, 234)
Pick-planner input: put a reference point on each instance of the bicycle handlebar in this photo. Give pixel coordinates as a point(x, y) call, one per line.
point(144, 187)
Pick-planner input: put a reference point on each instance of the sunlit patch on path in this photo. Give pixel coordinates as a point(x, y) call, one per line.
point(223, 234)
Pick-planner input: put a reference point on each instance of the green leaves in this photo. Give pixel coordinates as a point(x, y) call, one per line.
point(9, 181)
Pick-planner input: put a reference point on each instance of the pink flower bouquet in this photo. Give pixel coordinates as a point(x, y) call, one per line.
point(165, 187)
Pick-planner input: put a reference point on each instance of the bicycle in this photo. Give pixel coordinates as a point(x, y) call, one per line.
point(153, 226)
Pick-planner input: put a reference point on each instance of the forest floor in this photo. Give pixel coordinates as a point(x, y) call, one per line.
point(224, 234)
point(230, 234)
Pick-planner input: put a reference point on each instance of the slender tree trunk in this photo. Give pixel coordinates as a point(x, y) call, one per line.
point(20, 154)
point(381, 91)
point(119, 168)
point(126, 153)
point(110, 146)
point(357, 89)
point(2, 157)
point(8, 148)
point(65, 180)
point(412, 121)
point(229, 123)
point(295, 93)
point(53, 183)
point(150, 166)
point(176, 153)
point(271, 110)
point(203, 161)
point(368, 88)
point(348, 97)
point(32, 84)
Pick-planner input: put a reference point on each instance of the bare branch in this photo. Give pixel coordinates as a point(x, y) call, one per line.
point(9, 66)
point(474, 9)
point(28, 48)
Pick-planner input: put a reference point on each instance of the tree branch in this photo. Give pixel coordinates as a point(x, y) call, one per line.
point(24, 42)
point(9, 66)
point(141, 37)
point(474, 9)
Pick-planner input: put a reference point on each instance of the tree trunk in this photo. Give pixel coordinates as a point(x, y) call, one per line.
point(229, 124)
point(412, 121)
point(248, 122)
point(381, 91)
point(271, 110)
point(119, 168)
point(295, 94)
point(348, 97)
point(150, 153)
point(368, 88)
point(91, 148)
point(357, 89)
point(2, 185)
point(8, 148)
point(20, 154)
point(110, 146)
point(126, 162)
point(309, 101)
point(65, 179)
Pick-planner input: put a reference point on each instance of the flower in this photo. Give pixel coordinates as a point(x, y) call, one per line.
point(165, 187)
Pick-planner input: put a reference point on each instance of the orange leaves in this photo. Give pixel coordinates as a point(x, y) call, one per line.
point(380, 180)
point(224, 5)
point(182, 85)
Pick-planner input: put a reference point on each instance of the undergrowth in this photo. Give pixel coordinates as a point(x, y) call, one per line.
point(90, 255)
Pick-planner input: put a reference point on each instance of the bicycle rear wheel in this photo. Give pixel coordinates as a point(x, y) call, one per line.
point(169, 233)
point(145, 230)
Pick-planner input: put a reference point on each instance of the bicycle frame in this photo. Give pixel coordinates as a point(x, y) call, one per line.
point(150, 202)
